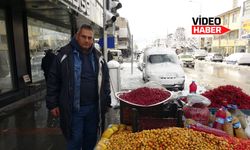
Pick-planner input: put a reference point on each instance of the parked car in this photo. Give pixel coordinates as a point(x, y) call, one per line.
point(116, 55)
point(238, 58)
point(214, 57)
point(200, 54)
point(162, 65)
point(187, 60)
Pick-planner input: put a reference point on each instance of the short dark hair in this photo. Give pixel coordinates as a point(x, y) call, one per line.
point(86, 26)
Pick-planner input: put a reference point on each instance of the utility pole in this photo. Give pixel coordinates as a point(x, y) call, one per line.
point(105, 53)
point(105, 45)
point(109, 17)
point(132, 54)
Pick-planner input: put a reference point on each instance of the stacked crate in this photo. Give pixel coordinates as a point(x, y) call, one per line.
point(142, 118)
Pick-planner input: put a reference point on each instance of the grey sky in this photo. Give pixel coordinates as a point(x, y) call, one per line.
point(154, 19)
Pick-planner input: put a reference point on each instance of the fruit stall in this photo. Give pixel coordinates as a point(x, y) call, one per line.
point(149, 108)
point(153, 118)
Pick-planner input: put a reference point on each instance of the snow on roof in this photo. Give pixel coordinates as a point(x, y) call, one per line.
point(113, 64)
point(159, 50)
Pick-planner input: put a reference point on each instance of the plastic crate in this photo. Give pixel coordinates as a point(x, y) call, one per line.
point(146, 123)
point(159, 116)
point(159, 111)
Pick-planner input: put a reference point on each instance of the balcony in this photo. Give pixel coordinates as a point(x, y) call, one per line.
point(123, 33)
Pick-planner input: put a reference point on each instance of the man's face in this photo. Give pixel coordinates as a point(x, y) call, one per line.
point(85, 38)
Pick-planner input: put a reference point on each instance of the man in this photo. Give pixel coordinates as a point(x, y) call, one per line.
point(78, 90)
point(110, 56)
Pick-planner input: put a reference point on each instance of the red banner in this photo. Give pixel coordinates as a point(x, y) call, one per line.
point(209, 29)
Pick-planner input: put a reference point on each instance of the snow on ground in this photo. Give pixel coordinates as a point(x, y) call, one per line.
point(225, 65)
point(129, 79)
point(134, 80)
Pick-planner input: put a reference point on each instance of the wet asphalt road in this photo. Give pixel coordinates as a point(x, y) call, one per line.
point(211, 75)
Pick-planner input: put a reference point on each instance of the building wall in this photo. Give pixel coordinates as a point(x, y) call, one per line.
point(230, 42)
point(26, 32)
point(123, 36)
point(12, 85)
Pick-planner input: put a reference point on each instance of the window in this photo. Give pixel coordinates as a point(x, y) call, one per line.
point(234, 18)
point(43, 36)
point(233, 35)
point(225, 20)
point(5, 68)
point(161, 59)
point(217, 55)
point(114, 54)
point(186, 56)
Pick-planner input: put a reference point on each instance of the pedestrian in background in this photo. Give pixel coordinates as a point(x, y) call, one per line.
point(110, 56)
point(47, 61)
point(78, 90)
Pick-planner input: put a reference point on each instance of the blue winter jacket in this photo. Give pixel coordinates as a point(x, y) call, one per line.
point(78, 70)
point(61, 87)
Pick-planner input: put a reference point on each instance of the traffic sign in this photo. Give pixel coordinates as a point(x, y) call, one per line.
point(111, 42)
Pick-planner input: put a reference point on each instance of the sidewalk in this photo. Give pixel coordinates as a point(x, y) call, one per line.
point(31, 128)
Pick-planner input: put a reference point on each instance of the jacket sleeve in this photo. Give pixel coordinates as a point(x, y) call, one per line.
point(107, 84)
point(53, 85)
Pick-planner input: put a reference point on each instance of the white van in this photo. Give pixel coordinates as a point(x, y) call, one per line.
point(163, 66)
point(116, 55)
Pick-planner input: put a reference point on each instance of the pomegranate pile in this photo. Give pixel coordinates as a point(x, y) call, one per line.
point(146, 96)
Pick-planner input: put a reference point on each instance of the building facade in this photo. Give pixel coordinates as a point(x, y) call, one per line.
point(123, 36)
point(27, 28)
point(230, 42)
point(238, 21)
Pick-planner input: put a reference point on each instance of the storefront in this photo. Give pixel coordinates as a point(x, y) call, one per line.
point(27, 28)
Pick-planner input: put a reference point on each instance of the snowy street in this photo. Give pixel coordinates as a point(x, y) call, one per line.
point(207, 75)
point(132, 81)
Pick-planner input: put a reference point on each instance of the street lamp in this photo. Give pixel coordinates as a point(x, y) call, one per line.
point(200, 6)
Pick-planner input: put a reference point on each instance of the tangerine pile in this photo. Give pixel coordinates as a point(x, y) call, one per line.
point(167, 139)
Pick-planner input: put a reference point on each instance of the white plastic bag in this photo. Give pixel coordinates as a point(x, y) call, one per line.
point(247, 129)
point(196, 98)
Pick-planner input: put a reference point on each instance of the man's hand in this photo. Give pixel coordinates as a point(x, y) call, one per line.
point(55, 112)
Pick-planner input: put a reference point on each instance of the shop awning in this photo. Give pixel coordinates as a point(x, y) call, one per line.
point(55, 12)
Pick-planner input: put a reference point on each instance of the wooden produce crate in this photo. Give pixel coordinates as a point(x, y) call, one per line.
point(160, 116)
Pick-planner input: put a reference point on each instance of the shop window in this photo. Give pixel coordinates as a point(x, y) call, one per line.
point(233, 35)
point(44, 36)
point(5, 67)
point(234, 18)
point(225, 20)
